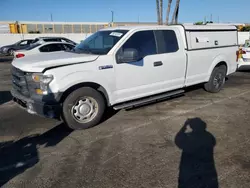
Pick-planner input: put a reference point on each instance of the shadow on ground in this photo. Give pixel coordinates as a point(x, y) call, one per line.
point(18, 156)
point(5, 96)
point(109, 113)
point(197, 166)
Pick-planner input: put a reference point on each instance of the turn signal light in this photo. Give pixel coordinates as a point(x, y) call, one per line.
point(19, 55)
point(39, 91)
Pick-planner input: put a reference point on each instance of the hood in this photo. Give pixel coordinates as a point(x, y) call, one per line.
point(39, 62)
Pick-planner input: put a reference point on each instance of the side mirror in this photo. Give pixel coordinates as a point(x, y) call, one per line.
point(128, 55)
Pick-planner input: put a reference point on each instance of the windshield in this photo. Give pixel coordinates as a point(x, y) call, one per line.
point(34, 41)
point(17, 43)
point(100, 42)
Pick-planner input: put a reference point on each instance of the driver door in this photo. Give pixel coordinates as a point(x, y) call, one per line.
point(140, 78)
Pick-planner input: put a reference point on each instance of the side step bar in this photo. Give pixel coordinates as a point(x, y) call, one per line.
point(148, 100)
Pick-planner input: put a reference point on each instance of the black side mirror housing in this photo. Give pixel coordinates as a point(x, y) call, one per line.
point(128, 55)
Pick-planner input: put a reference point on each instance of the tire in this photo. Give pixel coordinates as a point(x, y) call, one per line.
point(81, 103)
point(10, 52)
point(217, 79)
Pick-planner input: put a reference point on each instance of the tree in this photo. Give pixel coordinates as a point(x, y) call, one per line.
point(176, 12)
point(245, 28)
point(161, 12)
point(168, 11)
point(198, 23)
point(158, 12)
point(159, 8)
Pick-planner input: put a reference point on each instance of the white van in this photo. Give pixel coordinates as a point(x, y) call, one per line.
point(123, 67)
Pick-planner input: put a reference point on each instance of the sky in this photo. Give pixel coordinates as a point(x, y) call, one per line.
point(124, 10)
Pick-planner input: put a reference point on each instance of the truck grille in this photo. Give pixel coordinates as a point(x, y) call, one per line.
point(19, 82)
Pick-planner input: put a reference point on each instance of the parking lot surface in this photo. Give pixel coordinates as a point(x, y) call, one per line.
point(190, 141)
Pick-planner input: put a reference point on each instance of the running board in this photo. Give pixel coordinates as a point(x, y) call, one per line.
point(147, 100)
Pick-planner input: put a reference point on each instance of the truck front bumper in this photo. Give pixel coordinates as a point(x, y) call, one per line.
point(49, 110)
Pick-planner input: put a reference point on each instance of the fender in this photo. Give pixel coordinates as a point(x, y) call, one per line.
point(81, 77)
point(216, 61)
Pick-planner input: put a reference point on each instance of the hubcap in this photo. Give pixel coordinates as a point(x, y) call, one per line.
point(11, 52)
point(85, 109)
point(218, 80)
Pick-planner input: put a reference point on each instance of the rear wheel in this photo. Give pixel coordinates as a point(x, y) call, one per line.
point(83, 108)
point(217, 79)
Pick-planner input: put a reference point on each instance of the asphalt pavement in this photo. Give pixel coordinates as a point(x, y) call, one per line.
point(190, 141)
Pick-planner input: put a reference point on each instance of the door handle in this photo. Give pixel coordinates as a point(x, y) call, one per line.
point(158, 63)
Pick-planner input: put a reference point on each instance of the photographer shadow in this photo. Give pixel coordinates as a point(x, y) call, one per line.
point(18, 156)
point(197, 166)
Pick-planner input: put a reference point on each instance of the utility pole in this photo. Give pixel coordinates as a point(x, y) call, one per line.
point(51, 17)
point(112, 17)
point(211, 18)
point(218, 19)
point(205, 19)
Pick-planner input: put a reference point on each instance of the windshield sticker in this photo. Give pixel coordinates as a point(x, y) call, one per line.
point(116, 34)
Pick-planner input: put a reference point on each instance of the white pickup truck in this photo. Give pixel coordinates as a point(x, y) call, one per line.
point(121, 68)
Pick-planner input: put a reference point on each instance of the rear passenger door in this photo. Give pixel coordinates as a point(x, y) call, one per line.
point(172, 58)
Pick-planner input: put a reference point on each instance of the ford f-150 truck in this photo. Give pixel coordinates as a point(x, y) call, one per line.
point(121, 68)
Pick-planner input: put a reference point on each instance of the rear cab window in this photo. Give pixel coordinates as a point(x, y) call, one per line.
point(167, 41)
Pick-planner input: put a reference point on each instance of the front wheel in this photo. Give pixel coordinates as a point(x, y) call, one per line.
point(217, 79)
point(11, 52)
point(83, 108)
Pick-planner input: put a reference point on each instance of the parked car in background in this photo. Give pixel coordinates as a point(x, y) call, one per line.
point(10, 49)
point(49, 47)
point(52, 39)
point(244, 56)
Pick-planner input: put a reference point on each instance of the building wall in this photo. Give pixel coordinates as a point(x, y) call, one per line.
point(64, 28)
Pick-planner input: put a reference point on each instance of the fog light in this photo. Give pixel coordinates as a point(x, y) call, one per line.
point(30, 108)
point(39, 91)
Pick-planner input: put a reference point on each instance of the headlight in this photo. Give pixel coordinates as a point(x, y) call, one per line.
point(5, 49)
point(44, 81)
